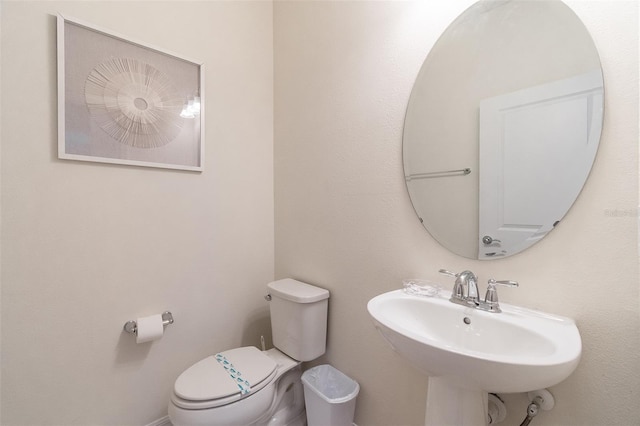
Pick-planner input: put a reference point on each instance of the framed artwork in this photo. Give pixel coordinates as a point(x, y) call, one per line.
point(122, 101)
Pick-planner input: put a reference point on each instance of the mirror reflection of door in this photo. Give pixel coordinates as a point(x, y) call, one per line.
point(534, 144)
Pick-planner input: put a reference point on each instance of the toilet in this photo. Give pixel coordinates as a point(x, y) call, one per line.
point(245, 386)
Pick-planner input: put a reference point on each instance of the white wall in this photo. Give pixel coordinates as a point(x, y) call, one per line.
point(343, 75)
point(86, 247)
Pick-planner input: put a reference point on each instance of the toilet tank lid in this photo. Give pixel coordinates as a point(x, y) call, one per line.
point(297, 291)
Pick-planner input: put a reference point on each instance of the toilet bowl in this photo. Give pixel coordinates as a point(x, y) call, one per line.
point(275, 397)
point(245, 386)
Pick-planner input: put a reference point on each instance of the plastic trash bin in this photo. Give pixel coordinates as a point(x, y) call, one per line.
point(330, 396)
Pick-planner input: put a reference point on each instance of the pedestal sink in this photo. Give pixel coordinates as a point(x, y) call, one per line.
point(467, 352)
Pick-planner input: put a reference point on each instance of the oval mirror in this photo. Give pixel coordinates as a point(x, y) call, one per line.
point(503, 126)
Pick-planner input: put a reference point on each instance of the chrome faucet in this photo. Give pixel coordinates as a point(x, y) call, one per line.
point(465, 291)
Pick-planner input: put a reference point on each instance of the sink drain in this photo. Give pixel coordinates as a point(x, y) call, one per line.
point(467, 320)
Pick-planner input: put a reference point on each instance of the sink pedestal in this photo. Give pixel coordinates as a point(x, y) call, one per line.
point(451, 405)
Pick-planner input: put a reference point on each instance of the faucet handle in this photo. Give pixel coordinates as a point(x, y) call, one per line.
point(458, 291)
point(449, 273)
point(491, 297)
point(508, 283)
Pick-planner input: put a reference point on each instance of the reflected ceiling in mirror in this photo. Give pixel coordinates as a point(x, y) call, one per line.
point(503, 126)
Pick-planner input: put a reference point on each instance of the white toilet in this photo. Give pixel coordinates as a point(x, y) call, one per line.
point(245, 386)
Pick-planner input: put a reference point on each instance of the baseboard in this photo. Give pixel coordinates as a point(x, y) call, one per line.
point(161, 422)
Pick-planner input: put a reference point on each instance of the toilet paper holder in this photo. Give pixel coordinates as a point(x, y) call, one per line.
point(131, 327)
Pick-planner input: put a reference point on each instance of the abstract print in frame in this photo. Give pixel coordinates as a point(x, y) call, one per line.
point(124, 102)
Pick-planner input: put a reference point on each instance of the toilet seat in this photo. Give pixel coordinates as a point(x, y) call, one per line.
point(207, 384)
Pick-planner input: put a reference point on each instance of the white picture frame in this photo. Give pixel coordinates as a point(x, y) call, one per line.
point(122, 101)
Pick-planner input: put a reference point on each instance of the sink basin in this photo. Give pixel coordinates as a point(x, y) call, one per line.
point(517, 350)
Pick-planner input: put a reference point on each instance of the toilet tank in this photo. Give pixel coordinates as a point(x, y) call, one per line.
point(298, 318)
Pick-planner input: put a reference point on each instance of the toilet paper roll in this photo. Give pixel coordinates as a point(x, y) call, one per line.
point(149, 328)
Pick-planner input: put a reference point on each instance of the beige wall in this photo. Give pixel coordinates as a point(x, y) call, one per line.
point(343, 75)
point(86, 247)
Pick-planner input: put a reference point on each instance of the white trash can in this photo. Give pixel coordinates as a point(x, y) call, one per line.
point(329, 396)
